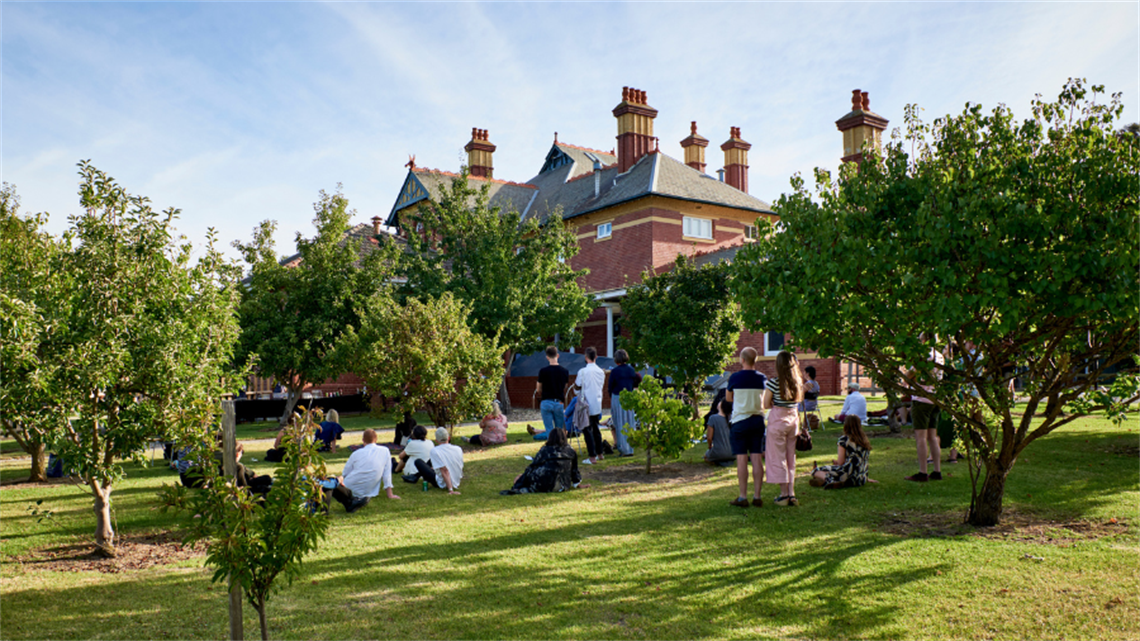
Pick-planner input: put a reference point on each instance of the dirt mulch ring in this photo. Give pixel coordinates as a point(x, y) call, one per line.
point(1015, 526)
point(134, 553)
point(634, 472)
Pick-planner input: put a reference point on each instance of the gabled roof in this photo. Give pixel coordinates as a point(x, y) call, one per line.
point(422, 184)
point(566, 185)
point(653, 174)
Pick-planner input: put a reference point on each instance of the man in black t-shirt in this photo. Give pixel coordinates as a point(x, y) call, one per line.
point(551, 389)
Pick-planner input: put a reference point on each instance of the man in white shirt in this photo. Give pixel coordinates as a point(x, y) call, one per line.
point(445, 470)
point(366, 471)
point(854, 405)
point(589, 383)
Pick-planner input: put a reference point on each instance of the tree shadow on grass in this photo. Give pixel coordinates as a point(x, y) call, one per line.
point(544, 584)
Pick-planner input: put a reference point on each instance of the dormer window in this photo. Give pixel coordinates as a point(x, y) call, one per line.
point(697, 228)
point(605, 229)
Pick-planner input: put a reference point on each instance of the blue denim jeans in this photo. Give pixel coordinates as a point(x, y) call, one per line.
point(552, 417)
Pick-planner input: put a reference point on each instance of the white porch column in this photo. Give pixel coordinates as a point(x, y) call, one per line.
point(609, 331)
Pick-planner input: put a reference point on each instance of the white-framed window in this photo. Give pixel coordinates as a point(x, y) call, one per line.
point(518, 250)
point(419, 227)
point(773, 342)
point(605, 229)
point(697, 227)
point(750, 232)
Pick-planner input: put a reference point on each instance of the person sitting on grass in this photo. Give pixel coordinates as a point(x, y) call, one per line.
point(854, 405)
point(445, 470)
point(494, 426)
point(850, 468)
point(720, 449)
point(245, 478)
point(276, 454)
point(554, 469)
point(330, 432)
point(366, 471)
point(418, 449)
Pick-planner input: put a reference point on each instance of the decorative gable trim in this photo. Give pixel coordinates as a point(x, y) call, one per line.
point(411, 193)
point(555, 158)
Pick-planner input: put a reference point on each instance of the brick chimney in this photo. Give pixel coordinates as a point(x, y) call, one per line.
point(479, 152)
point(635, 127)
point(736, 160)
point(694, 147)
point(860, 127)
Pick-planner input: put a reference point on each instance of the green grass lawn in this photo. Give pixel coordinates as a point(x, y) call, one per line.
point(664, 560)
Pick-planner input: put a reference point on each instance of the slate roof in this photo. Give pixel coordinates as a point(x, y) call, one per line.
point(565, 185)
point(503, 194)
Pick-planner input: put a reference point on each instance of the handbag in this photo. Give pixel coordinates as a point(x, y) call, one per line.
point(803, 441)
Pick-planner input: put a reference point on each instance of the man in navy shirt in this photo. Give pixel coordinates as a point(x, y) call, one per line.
point(745, 391)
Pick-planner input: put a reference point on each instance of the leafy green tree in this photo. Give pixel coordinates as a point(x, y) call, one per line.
point(1018, 239)
point(256, 541)
point(30, 309)
point(666, 425)
point(424, 355)
point(143, 339)
point(684, 322)
point(293, 314)
point(512, 274)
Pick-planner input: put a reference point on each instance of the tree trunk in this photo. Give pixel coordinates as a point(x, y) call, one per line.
point(986, 507)
point(261, 618)
point(39, 463)
point(291, 398)
point(504, 398)
point(104, 534)
point(504, 394)
point(648, 459)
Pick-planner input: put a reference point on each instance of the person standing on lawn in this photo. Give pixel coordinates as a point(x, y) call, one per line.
point(622, 378)
point(782, 397)
point(551, 388)
point(591, 379)
point(716, 434)
point(924, 413)
point(745, 392)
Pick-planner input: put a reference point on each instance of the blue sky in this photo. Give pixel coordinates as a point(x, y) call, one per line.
point(239, 112)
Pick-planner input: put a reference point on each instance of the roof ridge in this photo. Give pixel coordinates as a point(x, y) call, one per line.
point(429, 170)
point(597, 151)
point(587, 175)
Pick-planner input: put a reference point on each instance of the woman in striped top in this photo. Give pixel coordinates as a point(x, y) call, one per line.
point(782, 396)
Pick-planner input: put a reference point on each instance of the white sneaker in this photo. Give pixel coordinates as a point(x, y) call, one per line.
point(587, 461)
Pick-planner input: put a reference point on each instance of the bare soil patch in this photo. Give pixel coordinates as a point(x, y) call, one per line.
point(634, 472)
point(135, 552)
point(1015, 526)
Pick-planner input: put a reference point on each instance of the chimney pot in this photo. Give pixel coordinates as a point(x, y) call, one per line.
point(625, 94)
point(720, 174)
point(693, 128)
point(376, 222)
point(856, 100)
point(866, 101)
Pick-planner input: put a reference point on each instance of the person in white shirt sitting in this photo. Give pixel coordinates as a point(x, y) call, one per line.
point(366, 471)
point(854, 405)
point(418, 449)
point(445, 470)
